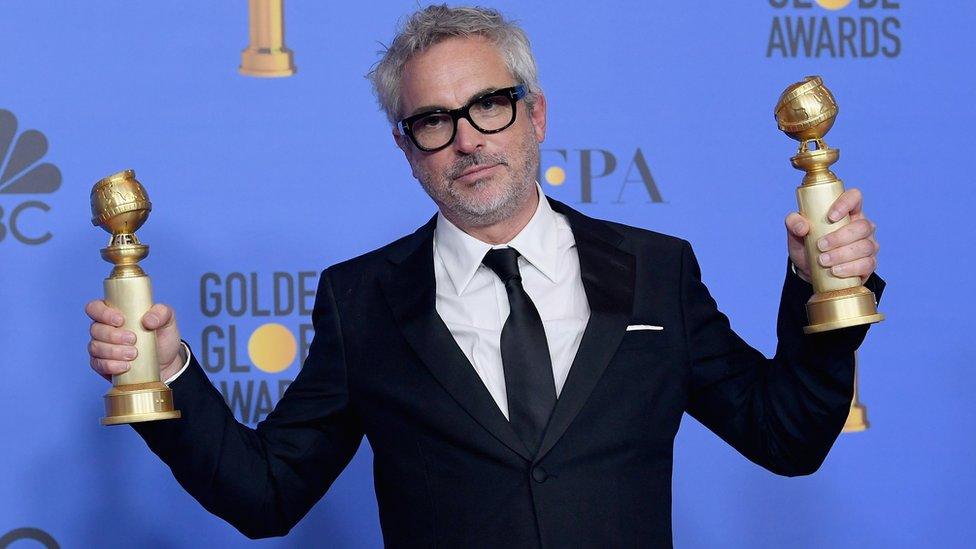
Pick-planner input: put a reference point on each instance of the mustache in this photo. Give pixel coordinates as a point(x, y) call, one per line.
point(476, 159)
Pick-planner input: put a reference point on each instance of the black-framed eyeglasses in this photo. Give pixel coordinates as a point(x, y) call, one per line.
point(490, 113)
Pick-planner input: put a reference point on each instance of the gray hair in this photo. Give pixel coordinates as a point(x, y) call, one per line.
point(434, 24)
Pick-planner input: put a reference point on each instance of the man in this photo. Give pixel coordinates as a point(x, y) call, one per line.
point(519, 369)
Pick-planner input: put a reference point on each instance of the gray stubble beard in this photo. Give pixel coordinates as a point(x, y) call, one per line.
point(464, 212)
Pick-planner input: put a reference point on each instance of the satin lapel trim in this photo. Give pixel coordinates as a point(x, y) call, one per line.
point(411, 294)
point(608, 280)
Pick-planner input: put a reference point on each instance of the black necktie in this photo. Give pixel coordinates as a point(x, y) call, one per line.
point(525, 354)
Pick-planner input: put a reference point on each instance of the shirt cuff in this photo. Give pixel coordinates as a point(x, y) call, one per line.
point(795, 272)
point(185, 364)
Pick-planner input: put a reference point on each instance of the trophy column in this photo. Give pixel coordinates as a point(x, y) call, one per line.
point(266, 55)
point(857, 417)
point(120, 206)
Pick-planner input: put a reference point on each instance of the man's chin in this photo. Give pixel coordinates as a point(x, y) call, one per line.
point(482, 191)
point(482, 185)
point(485, 212)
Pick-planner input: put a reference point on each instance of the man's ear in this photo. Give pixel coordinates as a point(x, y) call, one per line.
point(403, 143)
point(537, 115)
point(400, 140)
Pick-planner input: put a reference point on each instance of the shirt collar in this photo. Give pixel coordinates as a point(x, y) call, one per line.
point(462, 253)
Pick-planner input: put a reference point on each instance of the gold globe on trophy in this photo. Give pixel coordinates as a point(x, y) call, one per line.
point(120, 206)
point(806, 111)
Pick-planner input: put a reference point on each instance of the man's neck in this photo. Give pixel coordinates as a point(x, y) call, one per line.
point(506, 229)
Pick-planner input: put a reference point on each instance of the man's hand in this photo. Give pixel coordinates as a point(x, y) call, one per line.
point(112, 347)
point(848, 251)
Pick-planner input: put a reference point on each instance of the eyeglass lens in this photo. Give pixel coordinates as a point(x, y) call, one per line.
point(487, 114)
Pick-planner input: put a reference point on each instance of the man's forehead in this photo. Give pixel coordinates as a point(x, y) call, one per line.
point(450, 72)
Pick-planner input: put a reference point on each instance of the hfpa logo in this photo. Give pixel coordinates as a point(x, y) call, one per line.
point(21, 173)
point(624, 177)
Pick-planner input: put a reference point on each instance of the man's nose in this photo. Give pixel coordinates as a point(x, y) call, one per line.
point(468, 139)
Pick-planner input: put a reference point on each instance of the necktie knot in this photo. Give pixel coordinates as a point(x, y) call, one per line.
point(504, 262)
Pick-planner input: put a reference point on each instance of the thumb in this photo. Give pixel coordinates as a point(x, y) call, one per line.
point(797, 226)
point(158, 316)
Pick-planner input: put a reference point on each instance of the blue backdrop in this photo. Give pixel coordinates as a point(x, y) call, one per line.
point(258, 182)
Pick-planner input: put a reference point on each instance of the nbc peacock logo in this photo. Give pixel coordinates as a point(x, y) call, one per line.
point(22, 174)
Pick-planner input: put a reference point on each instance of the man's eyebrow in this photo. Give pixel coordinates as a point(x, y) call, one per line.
point(474, 96)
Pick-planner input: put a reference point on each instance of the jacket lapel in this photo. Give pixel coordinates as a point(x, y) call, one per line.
point(608, 280)
point(410, 291)
point(608, 275)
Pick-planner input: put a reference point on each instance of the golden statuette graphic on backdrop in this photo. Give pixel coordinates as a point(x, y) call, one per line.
point(806, 112)
point(120, 206)
point(266, 55)
point(857, 417)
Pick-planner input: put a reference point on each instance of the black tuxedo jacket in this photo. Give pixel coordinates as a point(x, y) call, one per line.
point(449, 470)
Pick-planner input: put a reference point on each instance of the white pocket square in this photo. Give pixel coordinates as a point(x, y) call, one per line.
point(634, 327)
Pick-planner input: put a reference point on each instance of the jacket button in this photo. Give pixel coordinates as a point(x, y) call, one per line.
point(539, 474)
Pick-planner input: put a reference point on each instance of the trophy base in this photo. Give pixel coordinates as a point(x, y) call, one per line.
point(139, 402)
point(268, 63)
point(857, 419)
point(840, 309)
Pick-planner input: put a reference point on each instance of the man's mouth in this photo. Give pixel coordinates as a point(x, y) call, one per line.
point(474, 172)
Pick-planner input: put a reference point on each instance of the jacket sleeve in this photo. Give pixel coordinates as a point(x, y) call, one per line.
point(782, 413)
point(264, 480)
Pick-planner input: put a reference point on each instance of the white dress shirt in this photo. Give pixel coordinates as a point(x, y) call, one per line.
point(472, 301)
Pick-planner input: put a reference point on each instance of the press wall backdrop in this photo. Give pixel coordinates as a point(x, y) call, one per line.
point(660, 116)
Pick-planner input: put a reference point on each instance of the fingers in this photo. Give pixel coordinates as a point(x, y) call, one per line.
point(850, 250)
point(98, 311)
point(158, 316)
point(862, 267)
point(111, 334)
point(108, 351)
point(797, 225)
point(838, 259)
point(108, 359)
point(107, 368)
point(848, 234)
point(850, 202)
point(111, 347)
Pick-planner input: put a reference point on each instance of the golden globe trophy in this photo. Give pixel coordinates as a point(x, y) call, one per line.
point(120, 206)
point(806, 112)
point(266, 55)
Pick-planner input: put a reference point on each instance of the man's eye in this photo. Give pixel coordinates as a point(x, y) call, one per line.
point(429, 123)
point(489, 104)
